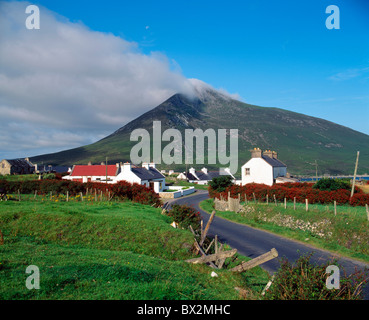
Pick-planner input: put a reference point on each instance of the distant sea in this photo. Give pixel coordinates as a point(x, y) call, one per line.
point(335, 177)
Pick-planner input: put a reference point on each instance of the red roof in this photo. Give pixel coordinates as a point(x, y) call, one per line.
point(94, 170)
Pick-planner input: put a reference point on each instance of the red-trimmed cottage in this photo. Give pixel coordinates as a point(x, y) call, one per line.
point(96, 173)
point(146, 175)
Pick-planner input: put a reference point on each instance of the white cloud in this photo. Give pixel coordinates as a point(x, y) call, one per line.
point(349, 74)
point(71, 84)
point(65, 85)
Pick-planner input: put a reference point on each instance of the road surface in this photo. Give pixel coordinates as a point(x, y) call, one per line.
point(252, 242)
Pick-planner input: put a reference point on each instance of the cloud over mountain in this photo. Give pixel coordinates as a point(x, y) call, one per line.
point(65, 85)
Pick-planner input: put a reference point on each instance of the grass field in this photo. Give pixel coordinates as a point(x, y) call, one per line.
point(107, 250)
point(346, 233)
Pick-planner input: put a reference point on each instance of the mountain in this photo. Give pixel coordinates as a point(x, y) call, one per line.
point(300, 140)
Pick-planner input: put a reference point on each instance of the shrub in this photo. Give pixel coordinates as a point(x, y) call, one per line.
point(221, 183)
point(332, 184)
point(304, 280)
point(185, 216)
point(300, 191)
point(359, 199)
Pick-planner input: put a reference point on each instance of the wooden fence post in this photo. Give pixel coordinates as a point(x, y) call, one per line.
point(51, 195)
point(198, 247)
point(95, 195)
point(34, 197)
point(67, 196)
point(211, 243)
point(294, 203)
point(285, 203)
point(201, 228)
point(275, 199)
point(367, 211)
point(213, 257)
point(253, 194)
point(203, 236)
point(335, 207)
point(216, 243)
point(19, 197)
point(81, 194)
point(256, 261)
point(307, 204)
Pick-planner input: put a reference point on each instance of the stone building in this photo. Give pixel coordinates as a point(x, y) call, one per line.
point(16, 166)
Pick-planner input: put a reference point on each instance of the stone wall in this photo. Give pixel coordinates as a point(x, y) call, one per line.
point(5, 167)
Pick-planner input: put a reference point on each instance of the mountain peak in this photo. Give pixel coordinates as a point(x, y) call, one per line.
point(205, 92)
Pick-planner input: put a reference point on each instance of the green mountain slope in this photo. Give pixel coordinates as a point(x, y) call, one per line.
point(298, 139)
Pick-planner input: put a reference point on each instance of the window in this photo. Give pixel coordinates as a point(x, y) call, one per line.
point(247, 171)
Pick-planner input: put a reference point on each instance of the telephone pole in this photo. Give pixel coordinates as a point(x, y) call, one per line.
point(106, 169)
point(353, 181)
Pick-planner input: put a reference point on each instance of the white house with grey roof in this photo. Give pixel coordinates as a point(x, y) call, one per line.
point(204, 175)
point(264, 167)
point(146, 175)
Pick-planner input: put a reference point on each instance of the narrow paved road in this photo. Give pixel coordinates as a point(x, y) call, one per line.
point(253, 242)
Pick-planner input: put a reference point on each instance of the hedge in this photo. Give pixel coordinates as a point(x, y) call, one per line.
point(123, 190)
point(300, 191)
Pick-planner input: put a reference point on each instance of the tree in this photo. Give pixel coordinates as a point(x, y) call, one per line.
point(221, 183)
point(332, 184)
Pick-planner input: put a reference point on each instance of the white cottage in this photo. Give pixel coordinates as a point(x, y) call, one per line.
point(146, 175)
point(263, 167)
point(204, 176)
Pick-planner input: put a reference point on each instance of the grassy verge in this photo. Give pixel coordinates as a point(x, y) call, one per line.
point(106, 250)
point(346, 233)
point(178, 182)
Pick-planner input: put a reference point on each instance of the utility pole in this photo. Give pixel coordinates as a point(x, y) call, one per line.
point(106, 169)
point(353, 181)
point(316, 170)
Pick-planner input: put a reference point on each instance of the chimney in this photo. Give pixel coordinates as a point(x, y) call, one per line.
point(192, 171)
point(268, 153)
point(89, 163)
point(256, 153)
point(117, 165)
point(275, 155)
point(145, 165)
point(126, 166)
point(152, 165)
point(102, 163)
point(204, 170)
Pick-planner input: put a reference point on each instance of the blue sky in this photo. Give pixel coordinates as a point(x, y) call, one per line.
point(271, 53)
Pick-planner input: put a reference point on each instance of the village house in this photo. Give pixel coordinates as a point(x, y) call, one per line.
point(264, 167)
point(93, 173)
point(203, 176)
point(146, 175)
point(16, 166)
